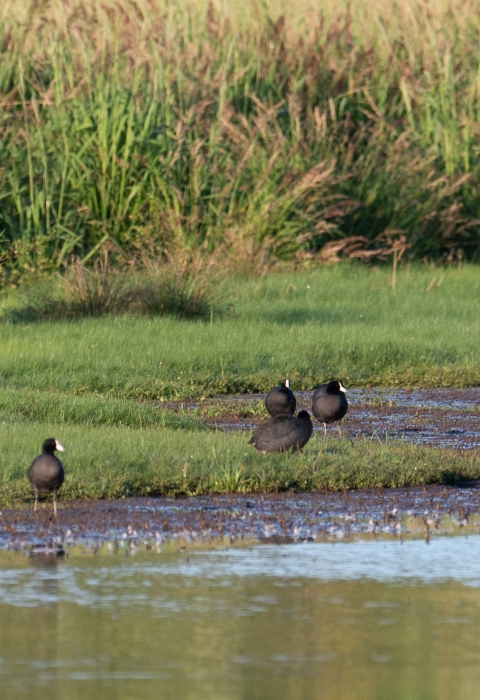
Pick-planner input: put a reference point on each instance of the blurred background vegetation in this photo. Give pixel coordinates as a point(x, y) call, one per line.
point(192, 131)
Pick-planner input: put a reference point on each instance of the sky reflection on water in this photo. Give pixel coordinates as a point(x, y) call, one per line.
point(371, 620)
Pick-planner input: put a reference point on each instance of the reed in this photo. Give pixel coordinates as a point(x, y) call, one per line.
point(263, 135)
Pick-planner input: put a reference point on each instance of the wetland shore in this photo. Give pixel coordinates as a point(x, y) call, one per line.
point(125, 527)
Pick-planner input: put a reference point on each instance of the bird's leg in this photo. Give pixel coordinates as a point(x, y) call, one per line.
point(339, 430)
point(55, 503)
point(324, 430)
point(35, 505)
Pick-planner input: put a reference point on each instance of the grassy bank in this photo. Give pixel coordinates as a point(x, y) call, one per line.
point(261, 134)
point(110, 462)
point(343, 321)
point(94, 383)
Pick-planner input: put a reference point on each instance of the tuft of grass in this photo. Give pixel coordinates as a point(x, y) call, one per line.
point(159, 290)
point(113, 462)
point(190, 290)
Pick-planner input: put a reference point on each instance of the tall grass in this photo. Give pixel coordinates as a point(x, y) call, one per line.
point(262, 134)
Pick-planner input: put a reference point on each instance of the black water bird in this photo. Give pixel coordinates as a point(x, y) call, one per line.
point(329, 403)
point(282, 433)
point(46, 473)
point(281, 400)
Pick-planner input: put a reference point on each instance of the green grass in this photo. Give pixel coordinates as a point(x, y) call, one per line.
point(93, 384)
point(258, 134)
point(26, 406)
point(344, 322)
point(112, 462)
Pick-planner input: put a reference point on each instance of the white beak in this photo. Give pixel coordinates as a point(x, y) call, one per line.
point(342, 388)
point(286, 383)
point(59, 447)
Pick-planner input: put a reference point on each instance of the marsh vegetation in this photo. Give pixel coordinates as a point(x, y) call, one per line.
point(270, 133)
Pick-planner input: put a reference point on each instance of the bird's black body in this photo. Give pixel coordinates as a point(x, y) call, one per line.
point(282, 433)
point(281, 400)
point(46, 472)
point(329, 403)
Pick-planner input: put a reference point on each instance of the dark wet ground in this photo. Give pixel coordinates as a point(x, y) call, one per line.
point(437, 417)
point(134, 524)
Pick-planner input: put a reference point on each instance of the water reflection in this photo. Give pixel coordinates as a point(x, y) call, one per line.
point(376, 620)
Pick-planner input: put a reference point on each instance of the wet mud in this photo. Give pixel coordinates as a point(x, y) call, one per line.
point(136, 524)
point(445, 418)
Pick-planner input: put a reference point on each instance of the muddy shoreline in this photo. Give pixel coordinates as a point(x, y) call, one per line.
point(146, 523)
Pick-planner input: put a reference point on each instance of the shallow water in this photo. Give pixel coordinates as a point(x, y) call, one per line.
point(372, 620)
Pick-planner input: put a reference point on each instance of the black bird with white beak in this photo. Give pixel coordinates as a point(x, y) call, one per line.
point(46, 472)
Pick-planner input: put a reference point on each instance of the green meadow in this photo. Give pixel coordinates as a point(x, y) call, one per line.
point(99, 384)
point(343, 321)
point(108, 462)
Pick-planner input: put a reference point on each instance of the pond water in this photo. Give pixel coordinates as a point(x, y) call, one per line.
point(365, 620)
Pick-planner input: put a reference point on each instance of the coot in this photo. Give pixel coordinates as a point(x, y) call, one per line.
point(46, 472)
point(281, 400)
point(329, 403)
point(282, 433)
